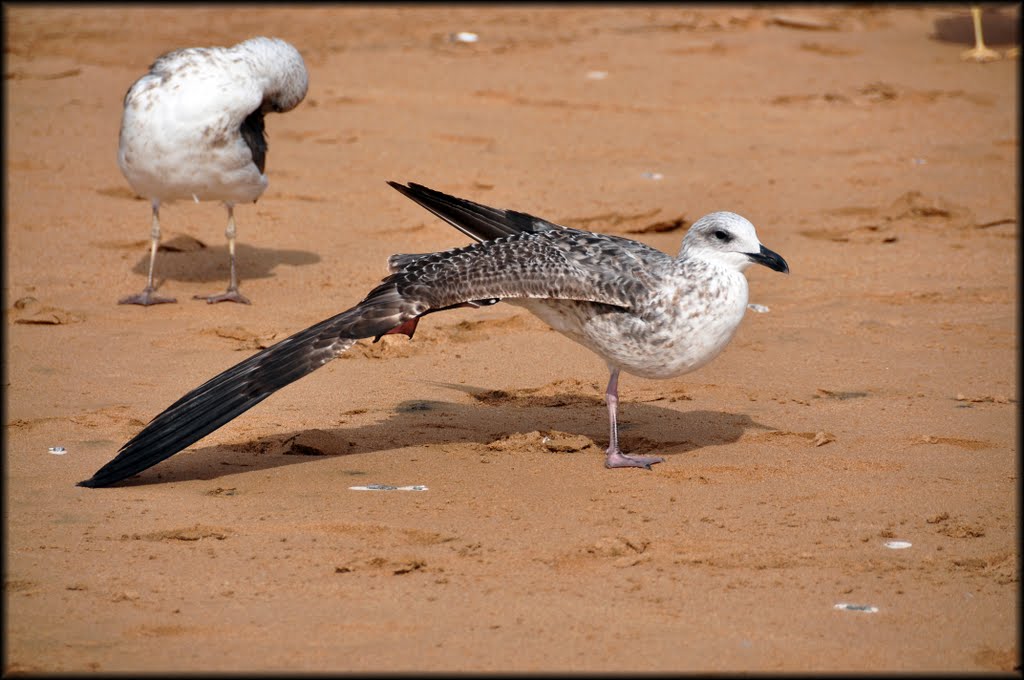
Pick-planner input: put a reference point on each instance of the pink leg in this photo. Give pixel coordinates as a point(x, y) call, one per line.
point(231, 294)
point(615, 457)
point(148, 295)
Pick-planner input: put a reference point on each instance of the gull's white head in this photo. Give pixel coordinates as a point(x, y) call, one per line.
point(282, 67)
point(729, 240)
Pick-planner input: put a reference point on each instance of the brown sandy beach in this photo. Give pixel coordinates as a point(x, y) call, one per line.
point(874, 403)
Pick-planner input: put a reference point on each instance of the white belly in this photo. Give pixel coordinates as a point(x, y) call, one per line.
point(678, 336)
point(167, 153)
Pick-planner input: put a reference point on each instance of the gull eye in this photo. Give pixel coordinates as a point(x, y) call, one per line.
point(722, 236)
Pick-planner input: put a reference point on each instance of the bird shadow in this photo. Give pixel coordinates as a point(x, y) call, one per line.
point(187, 259)
point(415, 423)
point(998, 28)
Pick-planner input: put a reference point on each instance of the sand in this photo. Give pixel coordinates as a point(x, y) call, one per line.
point(875, 401)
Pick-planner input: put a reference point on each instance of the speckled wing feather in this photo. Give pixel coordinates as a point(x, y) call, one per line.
point(551, 264)
point(484, 223)
point(563, 264)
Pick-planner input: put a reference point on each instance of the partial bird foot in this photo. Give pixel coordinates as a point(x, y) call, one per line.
point(979, 54)
point(229, 296)
point(617, 459)
point(147, 297)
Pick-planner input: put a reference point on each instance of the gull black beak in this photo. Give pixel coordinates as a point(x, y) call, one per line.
point(770, 259)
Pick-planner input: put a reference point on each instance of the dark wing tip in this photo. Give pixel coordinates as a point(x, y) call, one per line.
point(412, 190)
point(407, 191)
point(476, 220)
point(90, 483)
point(247, 383)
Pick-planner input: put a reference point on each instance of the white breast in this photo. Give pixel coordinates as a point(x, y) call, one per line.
point(684, 327)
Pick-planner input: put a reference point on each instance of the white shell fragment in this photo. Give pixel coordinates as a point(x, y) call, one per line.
point(464, 37)
point(897, 545)
point(760, 309)
point(388, 487)
point(58, 450)
point(857, 607)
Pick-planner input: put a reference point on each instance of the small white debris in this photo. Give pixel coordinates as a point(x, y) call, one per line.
point(388, 487)
point(857, 608)
point(897, 545)
point(58, 450)
point(464, 37)
point(803, 22)
point(597, 75)
point(760, 309)
point(653, 175)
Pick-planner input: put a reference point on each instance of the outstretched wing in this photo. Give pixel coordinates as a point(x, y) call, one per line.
point(550, 264)
point(223, 398)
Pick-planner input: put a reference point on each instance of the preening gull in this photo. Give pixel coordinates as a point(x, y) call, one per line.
point(193, 129)
point(639, 309)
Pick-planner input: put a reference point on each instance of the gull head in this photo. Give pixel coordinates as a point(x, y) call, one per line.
point(282, 69)
point(728, 240)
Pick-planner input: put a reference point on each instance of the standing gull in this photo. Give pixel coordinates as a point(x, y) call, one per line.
point(193, 129)
point(639, 309)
